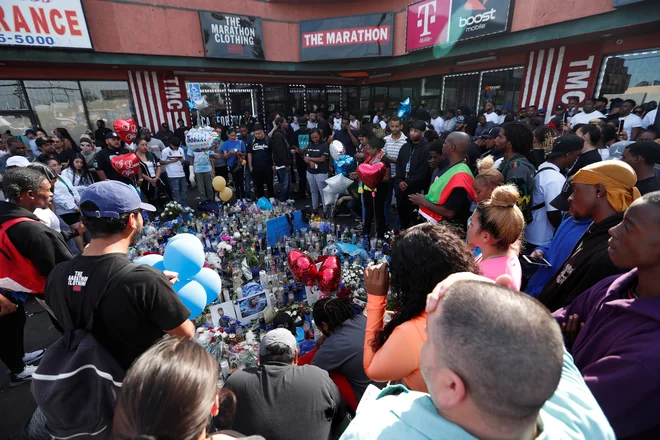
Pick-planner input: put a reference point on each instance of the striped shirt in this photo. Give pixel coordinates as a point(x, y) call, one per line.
point(392, 148)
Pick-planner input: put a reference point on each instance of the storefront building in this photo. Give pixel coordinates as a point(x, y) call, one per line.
point(68, 63)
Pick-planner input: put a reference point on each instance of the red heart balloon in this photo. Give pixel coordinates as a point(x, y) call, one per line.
point(302, 267)
point(126, 164)
point(371, 174)
point(330, 275)
point(126, 129)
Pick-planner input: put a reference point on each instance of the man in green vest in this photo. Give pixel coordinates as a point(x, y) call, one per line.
point(451, 194)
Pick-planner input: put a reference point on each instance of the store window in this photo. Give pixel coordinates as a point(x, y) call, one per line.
point(12, 96)
point(276, 100)
point(58, 104)
point(631, 76)
point(460, 90)
point(502, 86)
point(106, 100)
point(353, 99)
point(365, 100)
point(14, 114)
point(213, 107)
point(335, 103)
point(431, 92)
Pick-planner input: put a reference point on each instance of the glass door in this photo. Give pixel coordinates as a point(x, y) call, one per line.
point(16, 121)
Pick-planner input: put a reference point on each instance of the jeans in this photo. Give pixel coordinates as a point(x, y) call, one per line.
point(205, 186)
point(284, 177)
point(263, 176)
point(12, 326)
point(316, 185)
point(247, 177)
point(179, 190)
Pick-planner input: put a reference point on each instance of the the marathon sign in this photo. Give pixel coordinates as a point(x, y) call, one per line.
point(232, 36)
point(43, 23)
point(358, 36)
point(434, 22)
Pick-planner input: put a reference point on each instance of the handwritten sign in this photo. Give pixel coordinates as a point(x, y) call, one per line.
point(279, 227)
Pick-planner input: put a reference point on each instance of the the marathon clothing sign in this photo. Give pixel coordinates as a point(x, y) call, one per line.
point(43, 23)
point(358, 36)
point(232, 36)
point(433, 22)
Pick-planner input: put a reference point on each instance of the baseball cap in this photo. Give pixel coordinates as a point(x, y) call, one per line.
point(561, 201)
point(302, 120)
point(433, 112)
point(30, 131)
point(112, 198)
point(17, 161)
point(42, 141)
point(506, 107)
point(277, 336)
point(418, 125)
point(541, 112)
point(559, 107)
point(112, 134)
point(460, 119)
point(279, 120)
point(492, 133)
point(566, 144)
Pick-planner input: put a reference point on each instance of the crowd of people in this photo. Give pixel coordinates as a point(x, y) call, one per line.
point(484, 206)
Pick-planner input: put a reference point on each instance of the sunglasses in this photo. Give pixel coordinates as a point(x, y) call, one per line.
point(85, 144)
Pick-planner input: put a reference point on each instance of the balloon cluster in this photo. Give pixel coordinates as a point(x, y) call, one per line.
point(200, 139)
point(198, 285)
point(343, 163)
point(220, 185)
point(326, 272)
point(404, 108)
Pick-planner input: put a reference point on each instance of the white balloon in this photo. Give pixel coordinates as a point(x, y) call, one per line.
point(337, 149)
point(338, 183)
point(329, 196)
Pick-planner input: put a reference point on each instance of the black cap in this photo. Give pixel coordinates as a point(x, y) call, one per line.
point(42, 141)
point(566, 144)
point(492, 133)
point(418, 125)
point(561, 201)
point(302, 120)
point(279, 120)
point(559, 107)
point(112, 135)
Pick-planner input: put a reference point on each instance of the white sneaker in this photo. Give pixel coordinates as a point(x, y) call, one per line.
point(33, 357)
point(22, 377)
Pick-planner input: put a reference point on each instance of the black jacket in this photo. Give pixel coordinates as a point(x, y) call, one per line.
point(281, 150)
point(588, 264)
point(419, 177)
point(37, 242)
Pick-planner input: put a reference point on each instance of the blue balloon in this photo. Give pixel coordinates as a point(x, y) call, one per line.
point(160, 265)
point(264, 203)
point(345, 165)
point(211, 282)
point(181, 236)
point(192, 295)
point(149, 260)
point(404, 108)
point(185, 257)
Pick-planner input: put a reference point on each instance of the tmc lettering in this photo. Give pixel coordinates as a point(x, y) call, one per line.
point(173, 94)
point(233, 32)
point(577, 81)
point(30, 19)
point(374, 34)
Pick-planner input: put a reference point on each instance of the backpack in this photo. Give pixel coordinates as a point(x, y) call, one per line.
point(17, 273)
point(77, 382)
point(540, 205)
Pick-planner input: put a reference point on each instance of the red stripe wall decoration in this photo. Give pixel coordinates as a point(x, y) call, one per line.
point(158, 97)
point(554, 75)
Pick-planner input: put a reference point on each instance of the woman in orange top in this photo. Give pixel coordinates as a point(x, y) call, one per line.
point(422, 256)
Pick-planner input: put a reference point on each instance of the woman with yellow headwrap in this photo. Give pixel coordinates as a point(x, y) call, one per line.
point(601, 191)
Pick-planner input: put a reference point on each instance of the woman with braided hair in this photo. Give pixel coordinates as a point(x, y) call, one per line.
point(343, 336)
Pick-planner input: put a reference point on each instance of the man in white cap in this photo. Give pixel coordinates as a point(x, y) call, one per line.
point(281, 400)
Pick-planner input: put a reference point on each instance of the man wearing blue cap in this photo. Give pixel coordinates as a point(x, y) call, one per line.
point(504, 110)
point(140, 307)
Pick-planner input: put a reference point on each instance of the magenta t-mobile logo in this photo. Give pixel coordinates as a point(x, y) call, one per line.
point(426, 16)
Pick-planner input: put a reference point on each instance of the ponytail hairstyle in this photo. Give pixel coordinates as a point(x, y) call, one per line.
point(332, 311)
point(501, 218)
point(545, 136)
point(168, 393)
point(488, 174)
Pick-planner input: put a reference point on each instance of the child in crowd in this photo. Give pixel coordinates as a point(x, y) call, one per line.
point(484, 184)
point(497, 226)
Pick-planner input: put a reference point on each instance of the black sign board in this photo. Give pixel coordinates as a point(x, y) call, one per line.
point(232, 36)
point(357, 36)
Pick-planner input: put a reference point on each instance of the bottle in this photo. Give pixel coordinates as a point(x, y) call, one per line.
point(262, 322)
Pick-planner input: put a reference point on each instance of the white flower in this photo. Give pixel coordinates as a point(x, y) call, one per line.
point(237, 235)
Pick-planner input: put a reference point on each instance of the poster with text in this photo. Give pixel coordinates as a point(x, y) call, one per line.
point(357, 36)
point(232, 36)
point(56, 23)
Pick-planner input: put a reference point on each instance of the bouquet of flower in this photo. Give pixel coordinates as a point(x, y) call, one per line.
point(353, 277)
point(172, 210)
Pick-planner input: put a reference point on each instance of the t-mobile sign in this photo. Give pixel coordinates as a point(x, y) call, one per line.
point(358, 36)
point(433, 22)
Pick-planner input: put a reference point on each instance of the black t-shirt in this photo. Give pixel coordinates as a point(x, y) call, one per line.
point(459, 202)
point(343, 137)
point(134, 313)
point(648, 185)
point(585, 159)
point(65, 156)
point(102, 162)
point(314, 151)
point(262, 155)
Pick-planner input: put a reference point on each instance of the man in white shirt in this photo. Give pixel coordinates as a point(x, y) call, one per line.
point(649, 119)
point(548, 184)
point(587, 114)
point(490, 114)
point(393, 144)
point(311, 123)
point(437, 121)
point(172, 159)
point(336, 122)
point(505, 109)
point(384, 122)
point(632, 124)
point(379, 115)
point(450, 121)
point(294, 125)
point(559, 112)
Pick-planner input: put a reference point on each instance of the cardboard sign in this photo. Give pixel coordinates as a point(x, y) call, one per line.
point(52, 23)
point(279, 227)
point(232, 36)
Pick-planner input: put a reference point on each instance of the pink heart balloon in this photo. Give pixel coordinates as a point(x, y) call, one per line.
point(126, 164)
point(371, 174)
point(302, 267)
point(126, 129)
point(329, 275)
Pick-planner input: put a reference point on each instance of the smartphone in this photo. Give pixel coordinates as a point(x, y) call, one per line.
point(621, 125)
point(537, 261)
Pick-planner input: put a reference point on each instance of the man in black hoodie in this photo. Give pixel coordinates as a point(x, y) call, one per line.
point(602, 191)
point(34, 251)
point(413, 172)
point(282, 158)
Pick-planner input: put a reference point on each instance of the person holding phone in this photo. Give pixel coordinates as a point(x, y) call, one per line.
point(234, 151)
point(172, 159)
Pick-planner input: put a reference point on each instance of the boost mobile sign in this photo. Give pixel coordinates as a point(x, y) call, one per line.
point(433, 22)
